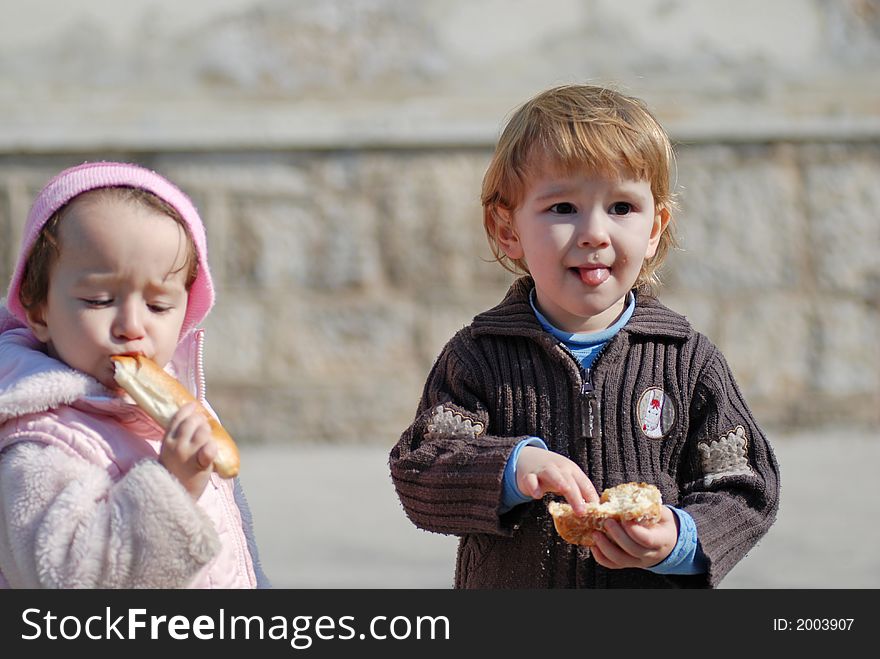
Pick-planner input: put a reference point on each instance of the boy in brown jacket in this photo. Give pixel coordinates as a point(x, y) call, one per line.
point(580, 379)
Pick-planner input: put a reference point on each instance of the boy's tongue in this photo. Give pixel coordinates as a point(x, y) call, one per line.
point(593, 276)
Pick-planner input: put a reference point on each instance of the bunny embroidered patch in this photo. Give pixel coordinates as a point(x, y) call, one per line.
point(656, 413)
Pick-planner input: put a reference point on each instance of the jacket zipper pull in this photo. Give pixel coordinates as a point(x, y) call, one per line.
point(588, 407)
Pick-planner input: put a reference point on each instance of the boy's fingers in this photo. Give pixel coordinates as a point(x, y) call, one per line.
point(617, 532)
point(588, 490)
point(572, 494)
point(598, 554)
point(533, 487)
point(639, 535)
point(578, 505)
point(552, 479)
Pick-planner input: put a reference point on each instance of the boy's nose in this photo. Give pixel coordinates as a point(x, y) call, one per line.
point(592, 228)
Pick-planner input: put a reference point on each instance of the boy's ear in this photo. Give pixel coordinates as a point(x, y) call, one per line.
point(661, 221)
point(505, 234)
point(37, 324)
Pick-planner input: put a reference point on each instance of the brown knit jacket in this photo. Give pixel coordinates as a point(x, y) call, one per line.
point(503, 378)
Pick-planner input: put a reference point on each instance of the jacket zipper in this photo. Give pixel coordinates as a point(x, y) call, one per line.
point(589, 401)
point(589, 412)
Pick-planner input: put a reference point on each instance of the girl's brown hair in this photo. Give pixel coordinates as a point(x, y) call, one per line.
point(34, 288)
point(580, 127)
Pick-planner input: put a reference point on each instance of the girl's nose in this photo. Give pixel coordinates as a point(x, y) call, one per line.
point(129, 323)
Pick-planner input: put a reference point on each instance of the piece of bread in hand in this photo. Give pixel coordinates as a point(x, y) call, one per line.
point(638, 502)
point(160, 396)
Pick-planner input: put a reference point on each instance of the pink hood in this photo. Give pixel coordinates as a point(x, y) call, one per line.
point(92, 176)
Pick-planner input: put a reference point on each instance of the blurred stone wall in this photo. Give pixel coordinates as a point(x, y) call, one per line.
point(336, 149)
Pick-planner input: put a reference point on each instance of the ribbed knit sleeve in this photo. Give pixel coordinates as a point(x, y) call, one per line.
point(730, 474)
point(446, 469)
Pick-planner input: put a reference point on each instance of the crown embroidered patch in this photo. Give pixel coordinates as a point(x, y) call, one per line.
point(447, 423)
point(726, 456)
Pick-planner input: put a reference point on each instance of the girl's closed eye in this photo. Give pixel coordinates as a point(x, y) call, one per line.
point(97, 302)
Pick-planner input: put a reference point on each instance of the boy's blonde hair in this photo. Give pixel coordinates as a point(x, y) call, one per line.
point(576, 128)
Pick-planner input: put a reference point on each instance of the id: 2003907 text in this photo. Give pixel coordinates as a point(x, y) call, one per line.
point(813, 624)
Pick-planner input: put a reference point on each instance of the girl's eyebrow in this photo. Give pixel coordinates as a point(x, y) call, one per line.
point(92, 277)
point(99, 279)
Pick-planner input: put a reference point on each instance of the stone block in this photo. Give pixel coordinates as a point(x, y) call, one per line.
point(341, 339)
point(847, 365)
point(740, 223)
point(431, 228)
point(766, 339)
point(235, 339)
point(257, 174)
point(8, 244)
point(288, 242)
point(360, 410)
point(842, 200)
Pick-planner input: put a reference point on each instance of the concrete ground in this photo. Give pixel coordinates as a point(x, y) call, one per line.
point(328, 517)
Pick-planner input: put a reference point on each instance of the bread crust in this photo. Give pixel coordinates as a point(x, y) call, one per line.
point(638, 502)
point(161, 396)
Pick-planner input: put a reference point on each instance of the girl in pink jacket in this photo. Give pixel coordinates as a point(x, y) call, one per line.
point(93, 493)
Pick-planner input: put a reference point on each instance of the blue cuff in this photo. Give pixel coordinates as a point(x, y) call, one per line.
point(510, 494)
point(686, 557)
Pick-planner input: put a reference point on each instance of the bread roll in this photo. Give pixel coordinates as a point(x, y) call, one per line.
point(160, 396)
point(639, 502)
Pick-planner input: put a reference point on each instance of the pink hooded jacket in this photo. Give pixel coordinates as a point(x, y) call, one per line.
point(83, 501)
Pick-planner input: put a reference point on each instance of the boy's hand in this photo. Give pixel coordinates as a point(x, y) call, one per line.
point(188, 450)
point(630, 544)
point(539, 471)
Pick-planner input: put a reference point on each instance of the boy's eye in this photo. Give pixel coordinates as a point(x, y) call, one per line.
point(158, 308)
point(621, 208)
point(563, 208)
